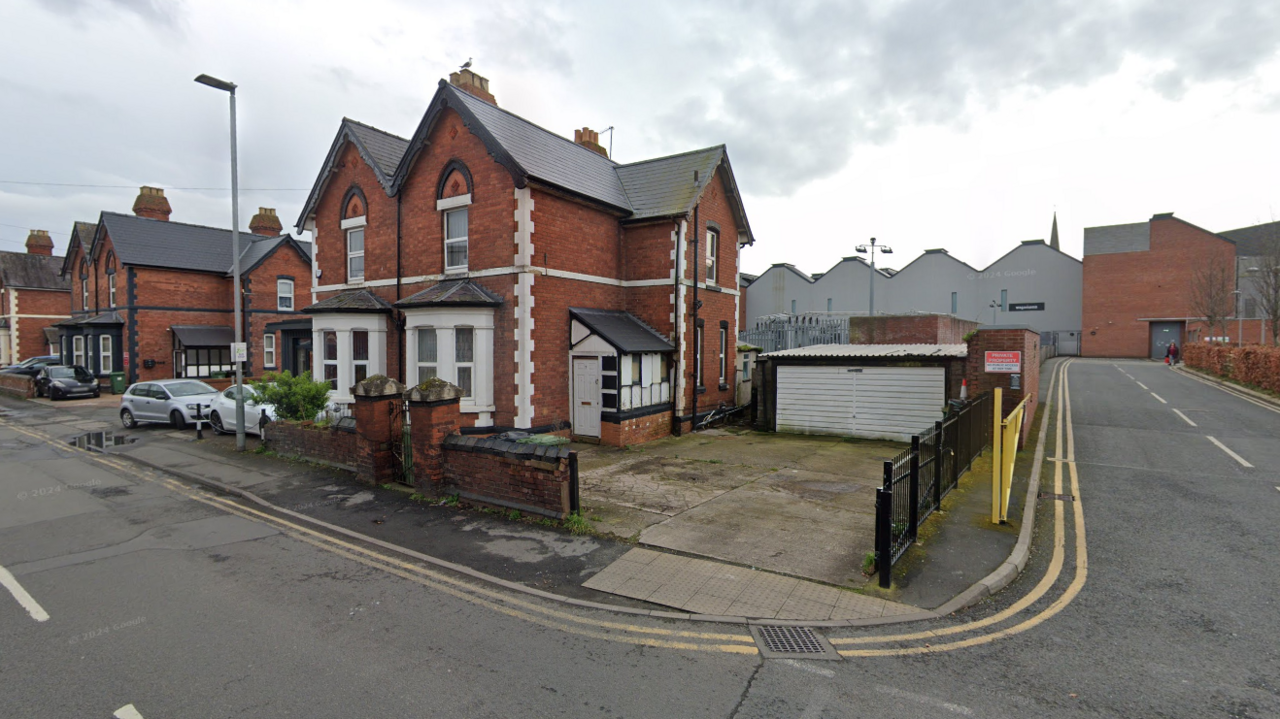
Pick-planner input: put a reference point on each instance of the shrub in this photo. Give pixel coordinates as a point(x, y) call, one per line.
point(296, 399)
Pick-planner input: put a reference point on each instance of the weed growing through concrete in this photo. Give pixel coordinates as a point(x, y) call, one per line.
point(450, 500)
point(577, 524)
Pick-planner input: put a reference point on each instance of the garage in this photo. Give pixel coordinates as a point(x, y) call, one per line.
point(867, 391)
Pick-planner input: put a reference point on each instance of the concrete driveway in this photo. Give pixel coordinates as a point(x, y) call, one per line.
point(798, 505)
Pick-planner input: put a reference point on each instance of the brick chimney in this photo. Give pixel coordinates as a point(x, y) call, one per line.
point(474, 84)
point(266, 223)
point(38, 243)
point(152, 203)
point(589, 139)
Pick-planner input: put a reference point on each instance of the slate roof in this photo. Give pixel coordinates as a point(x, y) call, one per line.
point(1252, 241)
point(456, 293)
point(81, 233)
point(664, 186)
point(623, 330)
point(204, 335)
point(158, 243)
point(384, 148)
point(350, 301)
point(660, 187)
point(22, 270)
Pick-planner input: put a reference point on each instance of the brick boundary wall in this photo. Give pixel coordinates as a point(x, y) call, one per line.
point(527, 477)
point(1025, 341)
point(326, 445)
point(637, 430)
point(17, 385)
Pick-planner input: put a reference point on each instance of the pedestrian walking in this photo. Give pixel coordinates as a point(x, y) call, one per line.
point(1172, 353)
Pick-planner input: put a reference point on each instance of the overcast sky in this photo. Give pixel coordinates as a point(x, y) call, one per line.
point(926, 123)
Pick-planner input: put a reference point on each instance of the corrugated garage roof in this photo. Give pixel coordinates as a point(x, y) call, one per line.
point(874, 351)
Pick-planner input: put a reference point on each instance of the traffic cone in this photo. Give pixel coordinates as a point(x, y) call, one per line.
point(964, 389)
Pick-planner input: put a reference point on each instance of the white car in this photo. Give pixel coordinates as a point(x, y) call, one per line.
point(222, 412)
point(176, 401)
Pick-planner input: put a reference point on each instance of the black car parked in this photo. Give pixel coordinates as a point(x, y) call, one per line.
point(32, 365)
point(61, 382)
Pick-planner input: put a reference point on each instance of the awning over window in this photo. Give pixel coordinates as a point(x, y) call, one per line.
point(204, 335)
point(622, 330)
point(51, 335)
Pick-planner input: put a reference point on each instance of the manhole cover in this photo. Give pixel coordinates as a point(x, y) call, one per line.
point(792, 643)
point(1062, 497)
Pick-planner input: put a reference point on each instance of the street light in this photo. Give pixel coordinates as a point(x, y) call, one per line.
point(995, 306)
point(230, 88)
point(864, 249)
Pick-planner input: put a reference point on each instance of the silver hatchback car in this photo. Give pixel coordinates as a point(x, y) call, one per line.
point(176, 401)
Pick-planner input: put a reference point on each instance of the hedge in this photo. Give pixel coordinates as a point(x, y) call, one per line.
point(1253, 365)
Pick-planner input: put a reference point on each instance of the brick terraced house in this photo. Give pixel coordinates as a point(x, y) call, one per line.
point(153, 298)
point(555, 286)
point(33, 296)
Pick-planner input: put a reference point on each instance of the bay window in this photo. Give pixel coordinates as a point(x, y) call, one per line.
point(427, 354)
point(359, 355)
point(331, 359)
point(464, 348)
point(77, 350)
point(106, 359)
point(352, 348)
point(456, 345)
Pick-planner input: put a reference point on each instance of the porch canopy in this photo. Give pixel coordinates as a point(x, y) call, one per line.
point(623, 330)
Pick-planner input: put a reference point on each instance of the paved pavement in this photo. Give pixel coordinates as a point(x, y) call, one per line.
point(703, 587)
point(1150, 592)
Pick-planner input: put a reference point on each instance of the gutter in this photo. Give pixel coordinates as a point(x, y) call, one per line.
point(675, 289)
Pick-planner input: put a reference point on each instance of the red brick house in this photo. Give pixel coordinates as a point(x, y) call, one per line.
point(1138, 285)
point(554, 285)
point(153, 298)
point(33, 297)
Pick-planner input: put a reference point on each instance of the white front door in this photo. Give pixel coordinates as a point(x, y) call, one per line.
point(586, 396)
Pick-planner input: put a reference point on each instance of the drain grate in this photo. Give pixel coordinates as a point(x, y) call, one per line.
point(792, 642)
point(1060, 497)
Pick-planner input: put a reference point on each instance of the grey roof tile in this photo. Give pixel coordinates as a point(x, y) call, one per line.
point(622, 330)
point(665, 186)
point(548, 156)
point(20, 270)
point(384, 148)
point(157, 243)
point(350, 301)
point(1253, 241)
point(456, 293)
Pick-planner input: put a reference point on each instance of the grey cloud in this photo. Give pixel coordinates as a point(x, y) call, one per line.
point(155, 11)
point(832, 76)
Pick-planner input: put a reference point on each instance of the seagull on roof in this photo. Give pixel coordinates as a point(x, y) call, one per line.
point(466, 64)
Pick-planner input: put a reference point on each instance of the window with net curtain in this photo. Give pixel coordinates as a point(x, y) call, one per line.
point(455, 239)
point(428, 361)
point(464, 349)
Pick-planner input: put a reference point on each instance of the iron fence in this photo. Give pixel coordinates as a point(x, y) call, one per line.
point(917, 480)
point(784, 332)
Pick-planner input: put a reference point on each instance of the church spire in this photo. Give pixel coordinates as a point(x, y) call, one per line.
point(1053, 236)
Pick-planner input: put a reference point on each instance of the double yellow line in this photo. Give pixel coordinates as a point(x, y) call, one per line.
point(513, 605)
point(1064, 455)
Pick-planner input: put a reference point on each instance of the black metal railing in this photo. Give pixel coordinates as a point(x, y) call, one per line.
point(917, 480)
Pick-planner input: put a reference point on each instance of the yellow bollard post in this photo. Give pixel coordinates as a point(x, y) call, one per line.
point(997, 438)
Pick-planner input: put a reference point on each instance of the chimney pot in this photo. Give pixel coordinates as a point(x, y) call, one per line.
point(589, 139)
point(473, 84)
point(38, 243)
point(152, 204)
point(266, 222)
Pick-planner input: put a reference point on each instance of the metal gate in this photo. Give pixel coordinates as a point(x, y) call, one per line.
point(401, 441)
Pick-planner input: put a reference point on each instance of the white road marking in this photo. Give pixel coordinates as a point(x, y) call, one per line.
point(923, 699)
point(813, 670)
point(1234, 456)
point(1185, 418)
point(28, 603)
point(1153, 394)
point(1244, 397)
point(127, 712)
point(1143, 386)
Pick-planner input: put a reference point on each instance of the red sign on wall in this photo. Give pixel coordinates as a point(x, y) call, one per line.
point(1004, 362)
point(126, 359)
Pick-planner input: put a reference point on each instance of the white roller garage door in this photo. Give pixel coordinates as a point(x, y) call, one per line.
point(871, 402)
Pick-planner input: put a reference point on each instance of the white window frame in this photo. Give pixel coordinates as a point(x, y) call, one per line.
point(269, 350)
point(432, 365)
point(106, 358)
point(84, 293)
point(77, 350)
point(456, 240)
point(444, 322)
point(357, 363)
point(713, 256)
point(343, 325)
point(326, 362)
point(469, 365)
point(348, 226)
point(111, 288)
point(281, 297)
point(724, 354)
point(702, 355)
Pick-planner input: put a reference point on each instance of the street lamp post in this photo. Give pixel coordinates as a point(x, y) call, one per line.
point(872, 248)
point(1239, 320)
point(230, 89)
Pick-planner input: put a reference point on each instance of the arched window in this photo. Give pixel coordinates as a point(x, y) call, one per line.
point(453, 198)
point(111, 280)
point(354, 218)
point(84, 285)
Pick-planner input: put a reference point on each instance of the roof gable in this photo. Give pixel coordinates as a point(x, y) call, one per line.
point(380, 150)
